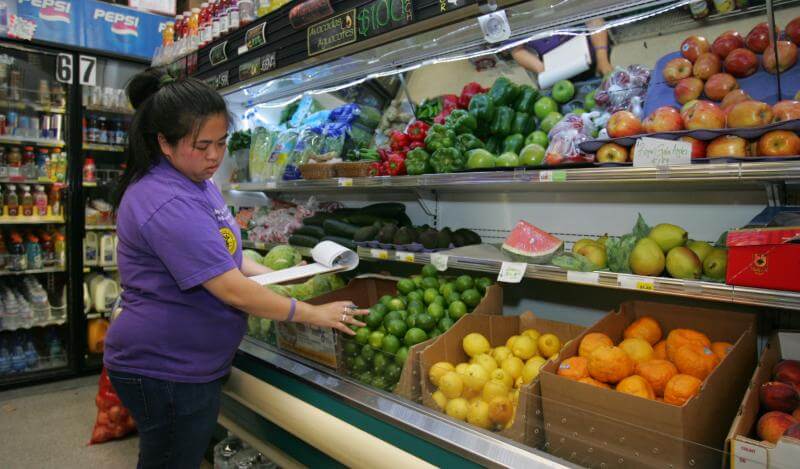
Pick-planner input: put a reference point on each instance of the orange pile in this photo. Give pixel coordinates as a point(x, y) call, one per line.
point(645, 363)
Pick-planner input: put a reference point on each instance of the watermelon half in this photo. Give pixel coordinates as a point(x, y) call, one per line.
point(529, 244)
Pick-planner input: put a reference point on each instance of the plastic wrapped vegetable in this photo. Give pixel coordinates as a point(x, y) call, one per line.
point(333, 142)
point(482, 109)
point(439, 137)
point(527, 99)
point(309, 144)
point(281, 153)
point(368, 116)
point(417, 162)
point(305, 108)
point(113, 419)
point(449, 104)
point(447, 160)
point(566, 137)
point(467, 142)
point(429, 109)
point(503, 92)
point(261, 145)
point(503, 120)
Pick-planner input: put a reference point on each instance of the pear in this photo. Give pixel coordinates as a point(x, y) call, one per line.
point(716, 264)
point(668, 236)
point(581, 243)
point(647, 258)
point(683, 263)
point(595, 253)
point(602, 240)
point(700, 248)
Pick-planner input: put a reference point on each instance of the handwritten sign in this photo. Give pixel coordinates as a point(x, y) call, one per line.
point(257, 66)
point(512, 272)
point(334, 32)
point(658, 153)
point(439, 261)
point(308, 12)
point(218, 81)
point(382, 16)
point(217, 54)
point(255, 37)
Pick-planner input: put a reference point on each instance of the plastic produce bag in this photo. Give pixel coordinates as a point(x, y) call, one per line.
point(334, 135)
point(113, 419)
point(280, 155)
point(305, 108)
point(566, 137)
point(309, 143)
point(624, 90)
point(261, 145)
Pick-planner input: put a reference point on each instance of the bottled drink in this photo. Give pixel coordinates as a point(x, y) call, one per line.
point(224, 16)
point(29, 163)
point(34, 250)
point(723, 6)
point(40, 201)
point(42, 161)
point(59, 98)
point(48, 248)
point(12, 201)
point(18, 362)
point(18, 259)
point(168, 34)
point(55, 201)
point(89, 170)
point(194, 27)
point(178, 28)
point(699, 9)
point(262, 7)
point(93, 131)
point(44, 93)
point(119, 133)
point(247, 12)
point(51, 168)
point(216, 19)
point(102, 130)
point(3, 164)
point(5, 356)
point(85, 128)
point(60, 249)
point(31, 355)
point(15, 164)
point(15, 83)
point(234, 17)
point(26, 201)
point(205, 23)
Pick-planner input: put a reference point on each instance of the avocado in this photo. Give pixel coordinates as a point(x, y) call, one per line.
point(443, 240)
point(470, 237)
point(459, 239)
point(386, 234)
point(366, 233)
point(429, 239)
point(403, 236)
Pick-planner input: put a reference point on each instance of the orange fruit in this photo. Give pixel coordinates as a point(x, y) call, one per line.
point(594, 382)
point(610, 364)
point(592, 341)
point(681, 388)
point(638, 349)
point(636, 386)
point(574, 368)
point(695, 360)
point(721, 349)
point(657, 373)
point(677, 338)
point(660, 350)
point(645, 328)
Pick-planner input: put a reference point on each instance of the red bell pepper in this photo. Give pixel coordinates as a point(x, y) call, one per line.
point(383, 153)
point(396, 166)
point(418, 131)
point(449, 104)
point(416, 144)
point(398, 140)
point(376, 169)
point(469, 90)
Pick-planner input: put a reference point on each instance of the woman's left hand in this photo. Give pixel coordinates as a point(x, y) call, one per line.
point(336, 315)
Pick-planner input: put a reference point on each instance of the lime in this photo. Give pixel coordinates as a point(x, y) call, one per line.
point(452, 298)
point(411, 320)
point(353, 327)
point(417, 279)
point(479, 158)
point(430, 271)
point(374, 318)
point(442, 281)
point(390, 344)
point(440, 300)
point(430, 282)
point(425, 322)
point(390, 317)
point(359, 364)
point(380, 307)
point(381, 329)
point(416, 307)
point(403, 314)
point(447, 289)
point(434, 333)
point(351, 348)
point(379, 363)
point(406, 286)
point(471, 297)
point(385, 299)
point(376, 339)
point(545, 106)
point(414, 336)
point(508, 159)
point(396, 304)
point(430, 295)
point(457, 310)
point(400, 356)
point(436, 311)
point(415, 295)
point(483, 283)
point(378, 382)
point(464, 282)
point(362, 335)
point(348, 362)
point(445, 323)
point(392, 372)
point(365, 377)
point(397, 328)
point(367, 352)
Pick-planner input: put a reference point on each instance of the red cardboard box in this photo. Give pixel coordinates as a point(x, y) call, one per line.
point(764, 258)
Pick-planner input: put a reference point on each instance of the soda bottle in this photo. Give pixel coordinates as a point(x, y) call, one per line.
point(93, 132)
point(88, 170)
point(42, 161)
point(194, 27)
point(27, 201)
point(12, 201)
point(168, 34)
point(102, 130)
point(119, 133)
point(205, 24)
point(40, 201)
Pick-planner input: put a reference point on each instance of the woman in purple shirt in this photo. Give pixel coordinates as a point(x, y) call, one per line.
point(184, 279)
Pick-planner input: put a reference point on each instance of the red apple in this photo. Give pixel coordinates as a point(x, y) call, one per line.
point(758, 38)
point(786, 110)
point(706, 65)
point(623, 124)
point(741, 63)
point(726, 42)
point(749, 114)
point(688, 89)
point(612, 153)
point(693, 46)
point(778, 396)
point(688, 107)
point(631, 152)
point(779, 143)
point(735, 96)
point(772, 425)
point(788, 371)
point(663, 119)
point(793, 30)
point(787, 57)
point(704, 115)
point(719, 85)
point(727, 146)
point(676, 70)
point(698, 146)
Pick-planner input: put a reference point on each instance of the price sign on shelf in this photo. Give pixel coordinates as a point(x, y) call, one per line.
point(345, 182)
point(583, 277)
point(404, 256)
point(382, 254)
point(439, 261)
point(636, 283)
point(512, 272)
point(659, 153)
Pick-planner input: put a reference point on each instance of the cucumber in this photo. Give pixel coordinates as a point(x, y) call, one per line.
point(366, 233)
point(348, 243)
point(385, 209)
point(339, 228)
point(310, 230)
point(303, 241)
point(317, 219)
point(364, 219)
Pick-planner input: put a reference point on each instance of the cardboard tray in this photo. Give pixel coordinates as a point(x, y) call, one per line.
point(598, 426)
point(746, 450)
point(528, 423)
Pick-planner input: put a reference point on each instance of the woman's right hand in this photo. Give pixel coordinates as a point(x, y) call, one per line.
point(336, 315)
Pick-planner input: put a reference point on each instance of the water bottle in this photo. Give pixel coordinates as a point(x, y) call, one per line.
point(18, 361)
point(57, 357)
point(31, 355)
point(224, 452)
point(5, 360)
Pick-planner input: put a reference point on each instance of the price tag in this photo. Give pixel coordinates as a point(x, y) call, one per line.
point(748, 456)
point(345, 182)
point(439, 261)
point(583, 277)
point(636, 283)
point(558, 175)
point(404, 256)
point(661, 154)
point(512, 272)
point(379, 254)
point(261, 246)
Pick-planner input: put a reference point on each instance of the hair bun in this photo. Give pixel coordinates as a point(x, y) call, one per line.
point(143, 85)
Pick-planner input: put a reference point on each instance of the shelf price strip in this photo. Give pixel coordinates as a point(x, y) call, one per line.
point(404, 256)
point(575, 276)
point(381, 254)
point(635, 283)
point(439, 261)
point(512, 272)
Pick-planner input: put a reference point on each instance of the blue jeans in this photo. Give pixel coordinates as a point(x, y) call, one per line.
point(175, 420)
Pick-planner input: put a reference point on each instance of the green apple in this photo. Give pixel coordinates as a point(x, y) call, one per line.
point(550, 121)
point(538, 137)
point(531, 155)
point(544, 106)
point(578, 111)
point(479, 158)
point(563, 91)
point(507, 160)
point(589, 101)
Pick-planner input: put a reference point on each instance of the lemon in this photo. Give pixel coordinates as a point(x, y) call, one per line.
point(451, 384)
point(457, 408)
point(501, 410)
point(524, 347)
point(486, 361)
point(438, 369)
point(501, 375)
point(501, 353)
point(494, 388)
point(518, 383)
point(513, 366)
point(441, 399)
point(461, 368)
point(475, 344)
point(549, 345)
point(478, 414)
point(532, 333)
point(510, 342)
point(531, 369)
point(475, 377)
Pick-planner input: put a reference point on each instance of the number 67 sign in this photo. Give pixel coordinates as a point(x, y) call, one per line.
point(87, 69)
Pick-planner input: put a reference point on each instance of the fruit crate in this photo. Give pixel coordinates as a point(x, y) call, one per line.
point(598, 426)
point(746, 449)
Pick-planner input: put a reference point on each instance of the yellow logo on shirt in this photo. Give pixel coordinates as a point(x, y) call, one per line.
point(230, 239)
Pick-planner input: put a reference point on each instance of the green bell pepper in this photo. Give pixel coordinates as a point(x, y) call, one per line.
point(494, 144)
point(504, 92)
point(438, 137)
point(481, 107)
point(527, 99)
point(513, 143)
point(466, 142)
point(447, 160)
point(503, 120)
point(523, 123)
point(418, 162)
point(461, 122)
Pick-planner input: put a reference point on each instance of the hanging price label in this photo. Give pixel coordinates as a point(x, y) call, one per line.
point(636, 283)
point(439, 261)
point(379, 254)
point(558, 175)
point(404, 256)
point(345, 182)
point(583, 277)
point(512, 272)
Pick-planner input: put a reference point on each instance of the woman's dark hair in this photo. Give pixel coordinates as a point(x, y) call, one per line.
point(171, 107)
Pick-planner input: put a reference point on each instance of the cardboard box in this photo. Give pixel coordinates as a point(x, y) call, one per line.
point(746, 449)
point(595, 426)
point(448, 347)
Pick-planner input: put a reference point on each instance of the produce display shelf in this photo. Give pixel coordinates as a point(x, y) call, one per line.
point(304, 251)
point(46, 270)
point(660, 285)
point(710, 176)
point(49, 322)
point(103, 147)
point(109, 110)
point(19, 220)
point(41, 142)
point(101, 227)
point(33, 106)
point(446, 439)
point(36, 376)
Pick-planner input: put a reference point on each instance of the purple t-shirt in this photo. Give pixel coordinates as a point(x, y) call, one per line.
point(174, 234)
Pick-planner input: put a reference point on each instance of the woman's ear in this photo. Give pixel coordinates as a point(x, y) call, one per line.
point(166, 148)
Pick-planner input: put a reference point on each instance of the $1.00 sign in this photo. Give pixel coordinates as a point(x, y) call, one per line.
point(383, 16)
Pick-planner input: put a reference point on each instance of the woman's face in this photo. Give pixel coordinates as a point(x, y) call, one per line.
point(198, 159)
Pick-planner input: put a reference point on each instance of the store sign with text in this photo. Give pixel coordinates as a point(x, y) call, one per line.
point(334, 32)
point(382, 16)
